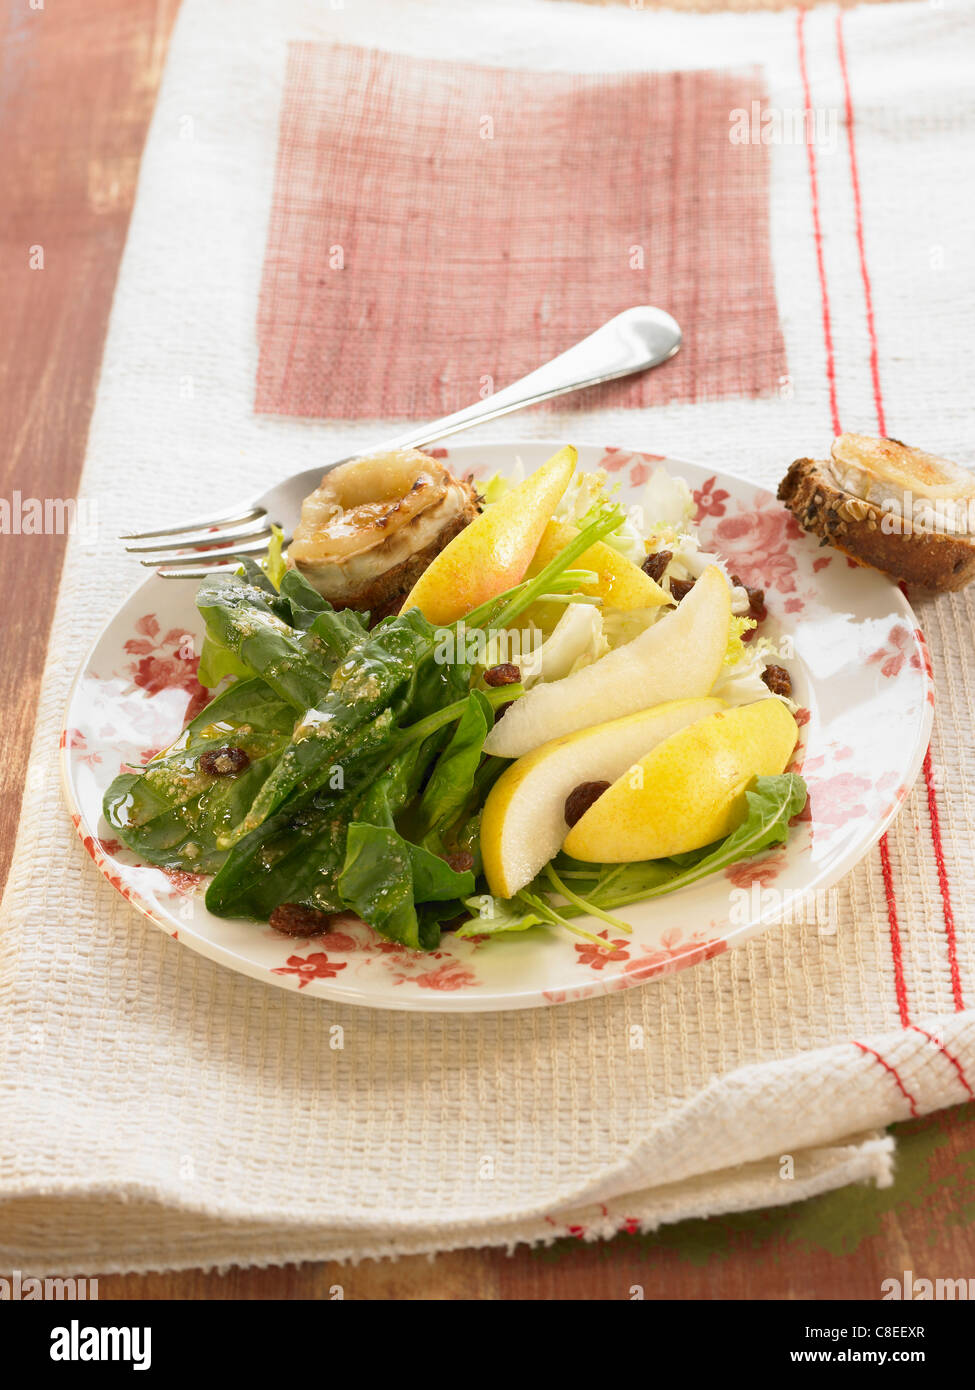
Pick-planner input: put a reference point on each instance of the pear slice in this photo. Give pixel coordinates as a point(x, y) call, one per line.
point(677, 659)
point(523, 823)
point(494, 551)
point(689, 790)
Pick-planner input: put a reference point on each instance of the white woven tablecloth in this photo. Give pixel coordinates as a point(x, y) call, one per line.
point(158, 1111)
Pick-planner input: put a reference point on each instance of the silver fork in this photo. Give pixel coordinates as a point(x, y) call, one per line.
point(631, 342)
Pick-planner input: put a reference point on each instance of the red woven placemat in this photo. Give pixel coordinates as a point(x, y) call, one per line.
point(439, 229)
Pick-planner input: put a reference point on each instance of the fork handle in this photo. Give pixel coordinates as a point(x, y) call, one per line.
point(631, 342)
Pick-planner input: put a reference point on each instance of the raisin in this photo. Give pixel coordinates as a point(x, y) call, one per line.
point(680, 588)
point(756, 601)
point(756, 604)
point(462, 862)
point(655, 564)
point(223, 762)
point(504, 674)
point(778, 680)
point(502, 709)
point(579, 800)
point(295, 919)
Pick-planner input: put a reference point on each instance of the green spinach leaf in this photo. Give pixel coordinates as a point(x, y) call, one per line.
point(385, 876)
point(172, 812)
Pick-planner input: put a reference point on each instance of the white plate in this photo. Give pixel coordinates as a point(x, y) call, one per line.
point(861, 674)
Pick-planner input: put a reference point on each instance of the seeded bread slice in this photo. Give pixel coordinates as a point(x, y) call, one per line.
point(933, 559)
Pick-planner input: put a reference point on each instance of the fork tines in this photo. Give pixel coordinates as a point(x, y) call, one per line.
point(202, 547)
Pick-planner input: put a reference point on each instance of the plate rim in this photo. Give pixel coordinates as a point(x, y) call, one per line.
point(446, 1002)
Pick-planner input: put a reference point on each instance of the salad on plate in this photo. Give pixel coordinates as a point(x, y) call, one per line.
point(472, 710)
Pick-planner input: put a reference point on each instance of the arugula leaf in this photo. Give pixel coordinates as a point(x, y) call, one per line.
point(495, 916)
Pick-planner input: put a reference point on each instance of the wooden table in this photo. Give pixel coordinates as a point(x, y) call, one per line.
point(77, 93)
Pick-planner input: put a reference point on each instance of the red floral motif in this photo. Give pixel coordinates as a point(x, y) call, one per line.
point(756, 543)
point(615, 460)
point(709, 499)
point(836, 800)
point(762, 872)
point(892, 656)
point(94, 848)
point(669, 959)
point(821, 563)
point(317, 966)
point(448, 976)
point(338, 941)
point(166, 663)
point(802, 716)
point(925, 654)
point(78, 743)
point(597, 956)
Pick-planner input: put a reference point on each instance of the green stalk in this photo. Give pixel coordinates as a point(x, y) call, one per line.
point(556, 919)
point(523, 595)
point(584, 905)
point(423, 728)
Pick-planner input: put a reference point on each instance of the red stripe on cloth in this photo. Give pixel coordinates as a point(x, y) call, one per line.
point(951, 1058)
point(939, 859)
point(817, 229)
point(871, 1052)
point(900, 986)
point(858, 208)
point(894, 932)
point(934, 815)
point(439, 229)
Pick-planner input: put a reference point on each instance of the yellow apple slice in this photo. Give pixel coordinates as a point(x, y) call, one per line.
point(690, 790)
point(493, 553)
point(523, 823)
point(677, 659)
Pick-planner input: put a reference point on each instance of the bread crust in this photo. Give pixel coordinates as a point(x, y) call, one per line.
point(385, 594)
point(933, 559)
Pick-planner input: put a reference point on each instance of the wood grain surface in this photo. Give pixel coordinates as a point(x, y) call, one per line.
point(77, 90)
